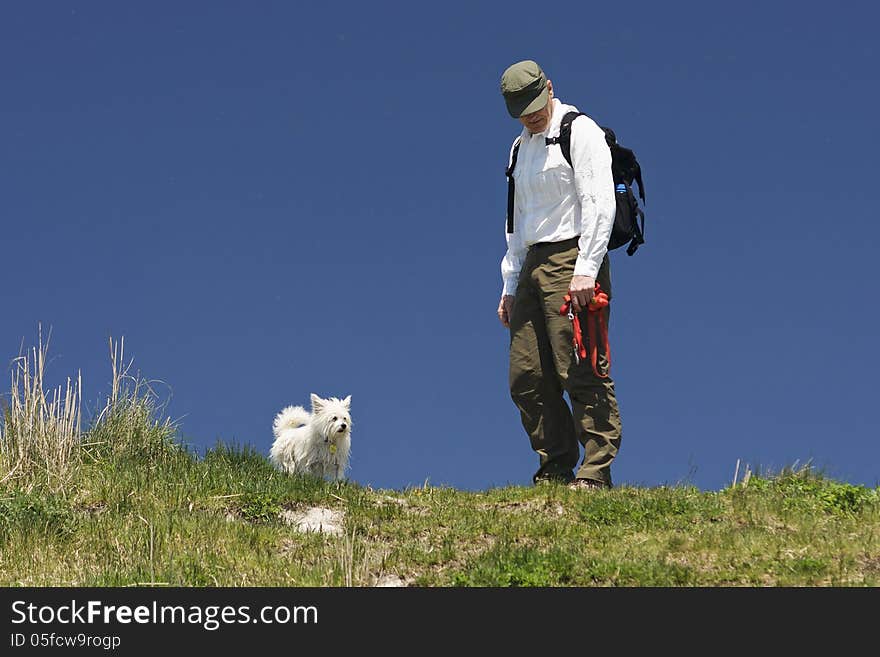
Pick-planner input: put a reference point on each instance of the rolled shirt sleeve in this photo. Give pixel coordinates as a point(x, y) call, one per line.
point(511, 264)
point(594, 185)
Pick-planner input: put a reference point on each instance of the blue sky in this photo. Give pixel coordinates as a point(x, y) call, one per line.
point(269, 199)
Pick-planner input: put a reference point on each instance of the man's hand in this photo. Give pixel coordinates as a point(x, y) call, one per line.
point(581, 291)
point(505, 309)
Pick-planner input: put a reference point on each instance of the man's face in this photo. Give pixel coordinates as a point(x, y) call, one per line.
point(538, 121)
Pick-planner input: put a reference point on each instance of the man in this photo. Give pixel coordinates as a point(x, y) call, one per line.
point(562, 219)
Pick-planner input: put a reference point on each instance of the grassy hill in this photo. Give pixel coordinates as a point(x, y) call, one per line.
point(122, 503)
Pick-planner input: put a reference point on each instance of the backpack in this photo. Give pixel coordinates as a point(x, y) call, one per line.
point(624, 169)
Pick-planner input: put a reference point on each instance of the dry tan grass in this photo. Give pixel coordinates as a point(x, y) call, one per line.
point(41, 429)
point(41, 436)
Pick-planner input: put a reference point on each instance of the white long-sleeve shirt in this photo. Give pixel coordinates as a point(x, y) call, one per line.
point(555, 202)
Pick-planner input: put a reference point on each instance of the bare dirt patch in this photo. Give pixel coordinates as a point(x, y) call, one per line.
point(315, 519)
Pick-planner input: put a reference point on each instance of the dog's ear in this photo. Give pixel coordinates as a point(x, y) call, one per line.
point(317, 403)
point(347, 402)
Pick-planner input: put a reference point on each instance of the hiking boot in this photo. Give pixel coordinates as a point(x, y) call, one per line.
point(587, 484)
point(553, 479)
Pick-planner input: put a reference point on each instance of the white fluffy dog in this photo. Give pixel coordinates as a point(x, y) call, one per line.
point(316, 443)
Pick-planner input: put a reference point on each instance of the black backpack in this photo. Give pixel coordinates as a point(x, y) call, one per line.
point(624, 169)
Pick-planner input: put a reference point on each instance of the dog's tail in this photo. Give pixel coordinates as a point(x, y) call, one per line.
point(290, 418)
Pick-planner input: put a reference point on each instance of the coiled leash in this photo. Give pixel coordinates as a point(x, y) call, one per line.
point(596, 319)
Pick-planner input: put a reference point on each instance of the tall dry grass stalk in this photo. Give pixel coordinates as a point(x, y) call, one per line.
point(40, 430)
point(119, 384)
point(127, 422)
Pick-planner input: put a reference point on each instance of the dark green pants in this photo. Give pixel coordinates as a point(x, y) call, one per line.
point(543, 368)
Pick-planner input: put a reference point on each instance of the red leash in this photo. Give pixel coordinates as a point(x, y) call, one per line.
point(595, 317)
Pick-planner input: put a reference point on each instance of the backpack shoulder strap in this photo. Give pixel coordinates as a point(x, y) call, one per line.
point(564, 138)
point(638, 179)
point(510, 186)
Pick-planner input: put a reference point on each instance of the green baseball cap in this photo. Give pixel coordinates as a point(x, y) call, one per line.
point(524, 87)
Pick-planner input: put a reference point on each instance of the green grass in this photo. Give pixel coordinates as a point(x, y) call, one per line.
point(215, 520)
point(131, 506)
